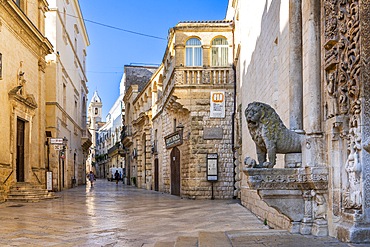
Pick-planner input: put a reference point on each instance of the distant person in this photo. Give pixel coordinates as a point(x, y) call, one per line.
point(116, 176)
point(91, 177)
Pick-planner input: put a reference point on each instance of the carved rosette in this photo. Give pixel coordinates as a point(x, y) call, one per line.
point(342, 61)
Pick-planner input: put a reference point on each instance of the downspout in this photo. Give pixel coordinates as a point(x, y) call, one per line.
point(233, 131)
point(233, 115)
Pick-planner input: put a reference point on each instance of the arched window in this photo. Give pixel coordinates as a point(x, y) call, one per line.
point(194, 56)
point(219, 52)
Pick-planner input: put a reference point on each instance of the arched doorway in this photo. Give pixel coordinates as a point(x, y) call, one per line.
point(175, 171)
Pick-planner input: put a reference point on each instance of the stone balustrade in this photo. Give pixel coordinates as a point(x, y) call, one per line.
point(197, 76)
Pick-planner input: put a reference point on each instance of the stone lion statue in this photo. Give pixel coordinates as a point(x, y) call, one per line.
point(269, 134)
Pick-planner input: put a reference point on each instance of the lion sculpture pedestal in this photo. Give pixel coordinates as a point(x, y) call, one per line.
point(294, 191)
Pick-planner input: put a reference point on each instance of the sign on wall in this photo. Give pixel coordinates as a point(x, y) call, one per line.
point(212, 167)
point(217, 104)
point(173, 139)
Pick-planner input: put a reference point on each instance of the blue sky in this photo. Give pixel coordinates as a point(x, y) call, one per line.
point(110, 49)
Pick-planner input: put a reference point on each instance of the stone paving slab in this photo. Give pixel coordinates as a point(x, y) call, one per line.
point(120, 215)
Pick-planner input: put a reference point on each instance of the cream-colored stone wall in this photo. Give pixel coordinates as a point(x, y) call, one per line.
point(169, 96)
point(262, 53)
point(22, 94)
point(66, 89)
point(263, 60)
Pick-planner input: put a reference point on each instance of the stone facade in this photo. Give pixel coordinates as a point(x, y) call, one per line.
point(66, 98)
point(94, 122)
point(308, 60)
point(136, 127)
point(174, 117)
point(23, 48)
point(108, 149)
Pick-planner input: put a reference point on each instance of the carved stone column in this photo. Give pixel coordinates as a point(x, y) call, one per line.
point(306, 224)
point(295, 77)
point(312, 150)
point(295, 65)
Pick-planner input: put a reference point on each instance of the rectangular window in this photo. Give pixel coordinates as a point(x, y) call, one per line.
point(189, 56)
point(219, 56)
point(64, 96)
point(20, 4)
point(198, 56)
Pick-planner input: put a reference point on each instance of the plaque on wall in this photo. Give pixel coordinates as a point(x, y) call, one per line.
point(173, 140)
point(213, 133)
point(217, 104)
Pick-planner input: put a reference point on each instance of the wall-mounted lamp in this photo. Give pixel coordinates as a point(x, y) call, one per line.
point(180, 127)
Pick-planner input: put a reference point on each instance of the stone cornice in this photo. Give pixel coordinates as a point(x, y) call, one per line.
point(56, 104)
point(82, 22)
point(22, 27)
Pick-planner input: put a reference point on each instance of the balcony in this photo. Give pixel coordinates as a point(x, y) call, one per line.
point(199, 76)
point(86, 139)
point(116, 150)
point(126, 135)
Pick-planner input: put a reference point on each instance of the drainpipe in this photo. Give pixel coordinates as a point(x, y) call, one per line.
point(233, 130)
point(234, 113)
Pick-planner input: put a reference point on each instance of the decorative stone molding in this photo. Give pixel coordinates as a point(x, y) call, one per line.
point(309, 178)
point(298, 193)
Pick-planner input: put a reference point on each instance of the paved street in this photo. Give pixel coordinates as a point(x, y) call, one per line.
point(119, 215)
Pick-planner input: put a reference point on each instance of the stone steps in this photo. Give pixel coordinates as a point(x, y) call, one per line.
point(26, 192)
point(219, 239)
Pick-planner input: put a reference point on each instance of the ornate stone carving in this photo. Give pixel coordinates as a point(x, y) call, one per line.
point(342, 56)
point(320, 207)
point(342, 85)
point(352, 197)
point(179, 77)
point(270, 134)
point(287, 178)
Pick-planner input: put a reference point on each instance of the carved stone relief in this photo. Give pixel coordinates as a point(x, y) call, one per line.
point(342, 86)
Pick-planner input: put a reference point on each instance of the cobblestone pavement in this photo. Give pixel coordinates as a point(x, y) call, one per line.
point(119, 215)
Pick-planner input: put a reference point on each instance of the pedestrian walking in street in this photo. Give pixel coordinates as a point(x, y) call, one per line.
point(91, 177)
point(116, 176)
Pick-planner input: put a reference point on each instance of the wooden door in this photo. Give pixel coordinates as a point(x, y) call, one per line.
point(156, 175)
point(20, 150)
point(175, 171)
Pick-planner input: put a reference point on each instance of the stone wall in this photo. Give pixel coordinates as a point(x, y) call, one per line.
point(335, 110)
point(264, 62)
point(194, 149)
point(22, 91)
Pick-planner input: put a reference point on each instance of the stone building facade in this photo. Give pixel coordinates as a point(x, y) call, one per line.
point(66, 98)
point(136, 80)
point(94, 122)
point(108, 148)
point(184, 115)
point(23, 47)
point(309, 61)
